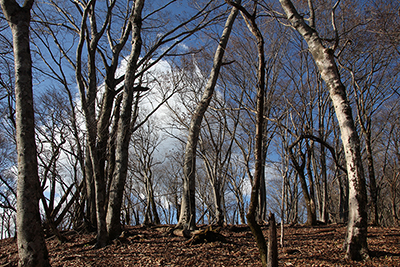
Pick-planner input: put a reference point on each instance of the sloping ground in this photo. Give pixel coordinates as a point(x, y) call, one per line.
point(305, 246)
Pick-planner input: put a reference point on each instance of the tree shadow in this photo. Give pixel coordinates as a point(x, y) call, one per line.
point(379, 254)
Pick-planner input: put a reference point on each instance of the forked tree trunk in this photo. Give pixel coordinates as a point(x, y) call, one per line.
point(124, 130)
point(87, 91)
point(151, 215)
point(356, 237)
point(313, 208)
point(310, 205)
point(187, 216)
point(32, 249)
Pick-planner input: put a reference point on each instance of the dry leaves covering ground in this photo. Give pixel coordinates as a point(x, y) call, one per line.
point(305, 246)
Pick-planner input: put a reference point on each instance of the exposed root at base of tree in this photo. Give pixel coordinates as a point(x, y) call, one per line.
point(207, 235)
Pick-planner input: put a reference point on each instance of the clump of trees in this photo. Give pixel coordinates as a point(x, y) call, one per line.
point(209, 112)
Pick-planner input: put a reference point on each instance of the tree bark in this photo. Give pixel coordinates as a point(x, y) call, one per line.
point(258, 147)
point(124, 128)
point(313, 209)
point(90, 222)
point(310, 205)
point(372, 180)
point(32, 249)
point(272, 242)
point(356, 237)
point(87, 93)
point(187, 217)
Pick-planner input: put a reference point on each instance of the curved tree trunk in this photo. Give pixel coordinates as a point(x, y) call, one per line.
point(356, 238)
point(32, 249)
point(258, 147)
point(187, 217)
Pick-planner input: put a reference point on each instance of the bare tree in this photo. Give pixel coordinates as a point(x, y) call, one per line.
point(356, 239)
point(300, 168)
point(31, 244)
point(187, 219)
point(250, 19)
point(124, 126)
point(143, 162)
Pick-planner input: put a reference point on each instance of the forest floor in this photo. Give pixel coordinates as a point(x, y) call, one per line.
point(144, 246)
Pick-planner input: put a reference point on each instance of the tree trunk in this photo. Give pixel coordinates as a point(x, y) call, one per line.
point(343, 198)
point(32, 249)
point(90, 222)
point(151, 215)
point(258, 147)
point(372, 179)
point(272, 242)
point(283, 205)
point(112, 146)
point(124, 129)
point(356, 238)
point(310, 205)
point(187, 217)
point(313, 209)
point(324, 184)
point(262, 196)
point(218, 203)
point(87, 91)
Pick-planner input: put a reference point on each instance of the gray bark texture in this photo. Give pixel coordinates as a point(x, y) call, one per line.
point(124, 130)
point(87, 93)
point(32, 249)
point(356, 237)
point(187, 218)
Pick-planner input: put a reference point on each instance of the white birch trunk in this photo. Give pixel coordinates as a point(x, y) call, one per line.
point(356, 238)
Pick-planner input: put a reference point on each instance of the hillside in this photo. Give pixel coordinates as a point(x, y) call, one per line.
point(305, 246)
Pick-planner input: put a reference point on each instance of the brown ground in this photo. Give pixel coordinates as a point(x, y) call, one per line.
point(306, 246)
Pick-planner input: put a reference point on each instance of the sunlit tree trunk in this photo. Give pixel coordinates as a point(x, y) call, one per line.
point(187, 217)
point(356, 237)
point(32, 249)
